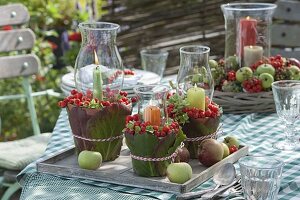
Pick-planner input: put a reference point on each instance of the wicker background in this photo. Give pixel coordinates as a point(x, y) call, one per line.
point(168, 25)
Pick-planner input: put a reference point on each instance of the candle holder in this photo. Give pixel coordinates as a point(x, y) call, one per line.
point(97, 109)
point(98, 65)
point(247, 33)
point(191, 106)
point(153, 138)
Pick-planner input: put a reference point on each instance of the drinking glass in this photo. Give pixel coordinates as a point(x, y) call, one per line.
point(260, 177)
point(154, 60)
point(287, 101)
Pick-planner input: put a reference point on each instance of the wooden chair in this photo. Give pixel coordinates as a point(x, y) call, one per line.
point(21, 65)
point(286, 29)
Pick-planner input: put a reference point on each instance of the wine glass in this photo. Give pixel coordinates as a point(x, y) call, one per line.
point(287, 101)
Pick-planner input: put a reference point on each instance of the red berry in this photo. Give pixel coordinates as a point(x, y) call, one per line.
point(207, 113)
point(233, 149)
point(136, 117)
point(73, 92)
point(133, 99)
point(166, 129)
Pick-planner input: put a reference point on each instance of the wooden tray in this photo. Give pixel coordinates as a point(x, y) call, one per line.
point(120, 171)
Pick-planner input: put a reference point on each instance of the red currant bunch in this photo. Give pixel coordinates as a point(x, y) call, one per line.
point(128, 72)
point(134, 125)
point(231, 75)
point(252, 85)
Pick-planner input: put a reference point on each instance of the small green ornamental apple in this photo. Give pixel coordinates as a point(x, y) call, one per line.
point(89, 160)
point(266, 68)
point(179, 172)
point(232, 62)
point(226, 150)
point(231, 140)
point(294, 72)
point(266, 79)
point(213, 63)
point(243, 74)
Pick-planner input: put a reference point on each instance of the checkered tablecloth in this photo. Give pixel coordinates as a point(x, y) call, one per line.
point(258, 131)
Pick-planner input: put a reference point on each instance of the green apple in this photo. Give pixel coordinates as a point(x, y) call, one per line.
point(266, 68)
point(294, 72)
point(89, 160)
point(266, 79)
point(179, 172)
point(231, 140)
point(232, 62)
point(243, 74)
point(213, 63)
point(226, 150)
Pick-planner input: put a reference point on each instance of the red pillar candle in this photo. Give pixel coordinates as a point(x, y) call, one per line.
point(247, 34)
point(152, 115)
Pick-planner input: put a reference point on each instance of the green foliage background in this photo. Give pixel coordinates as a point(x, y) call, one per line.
point(45, 17)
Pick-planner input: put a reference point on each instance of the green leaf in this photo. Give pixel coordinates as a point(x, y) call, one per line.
point(99, 124)
point(149, 146)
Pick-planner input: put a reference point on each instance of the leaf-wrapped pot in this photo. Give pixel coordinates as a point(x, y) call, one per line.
point(196, 130)
point(99, 129)
point(148, 145)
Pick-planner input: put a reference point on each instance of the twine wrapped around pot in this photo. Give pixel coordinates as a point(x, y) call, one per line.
point(239, 103)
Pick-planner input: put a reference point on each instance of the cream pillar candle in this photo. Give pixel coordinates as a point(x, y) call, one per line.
point(252, 54)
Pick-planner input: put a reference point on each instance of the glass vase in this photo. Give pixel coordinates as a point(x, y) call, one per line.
point(196, 87)
point(98, 55)
point(247, 33)
point(194, 71)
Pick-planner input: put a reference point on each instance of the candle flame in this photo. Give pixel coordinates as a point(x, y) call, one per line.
point(251, 47)
point(248, 17)
point(96, 58)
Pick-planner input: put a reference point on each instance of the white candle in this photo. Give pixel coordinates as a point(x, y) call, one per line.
point(252, 54)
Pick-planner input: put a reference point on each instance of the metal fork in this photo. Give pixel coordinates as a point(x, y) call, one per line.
point(235, 191)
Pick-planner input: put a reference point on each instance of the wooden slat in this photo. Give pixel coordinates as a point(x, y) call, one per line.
point(13, 14)
point(22, 65)
point(286, 53)
point(288, 10)
point(16, 40)
point(286, 35)
point(167, 25)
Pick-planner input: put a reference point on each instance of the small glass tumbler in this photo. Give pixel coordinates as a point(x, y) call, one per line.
point(152, 103)
point(260, 177)
point(287, 101)
point(154, 60)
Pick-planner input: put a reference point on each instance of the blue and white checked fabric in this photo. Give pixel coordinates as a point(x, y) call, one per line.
point(258, 131)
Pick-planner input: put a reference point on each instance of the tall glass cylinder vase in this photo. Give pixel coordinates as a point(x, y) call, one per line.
point(247, 33)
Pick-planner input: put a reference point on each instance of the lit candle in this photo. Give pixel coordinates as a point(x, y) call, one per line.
point(152, 115)
point(97, 80)
point(196, 97)
point(247, 34)
point(252, 54)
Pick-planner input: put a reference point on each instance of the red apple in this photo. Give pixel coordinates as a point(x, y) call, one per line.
point(183, 155)
point(210, 152)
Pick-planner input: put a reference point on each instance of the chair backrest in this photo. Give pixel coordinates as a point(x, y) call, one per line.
point(286, 29)
point(21, 65)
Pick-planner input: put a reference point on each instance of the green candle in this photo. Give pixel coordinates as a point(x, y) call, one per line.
point(97, 80)
point(196, 97)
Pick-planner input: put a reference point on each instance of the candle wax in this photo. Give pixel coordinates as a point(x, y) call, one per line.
point(152, 115)
point(252, 54)
point(97, 83)
point(247, 34)
point(196, 97)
